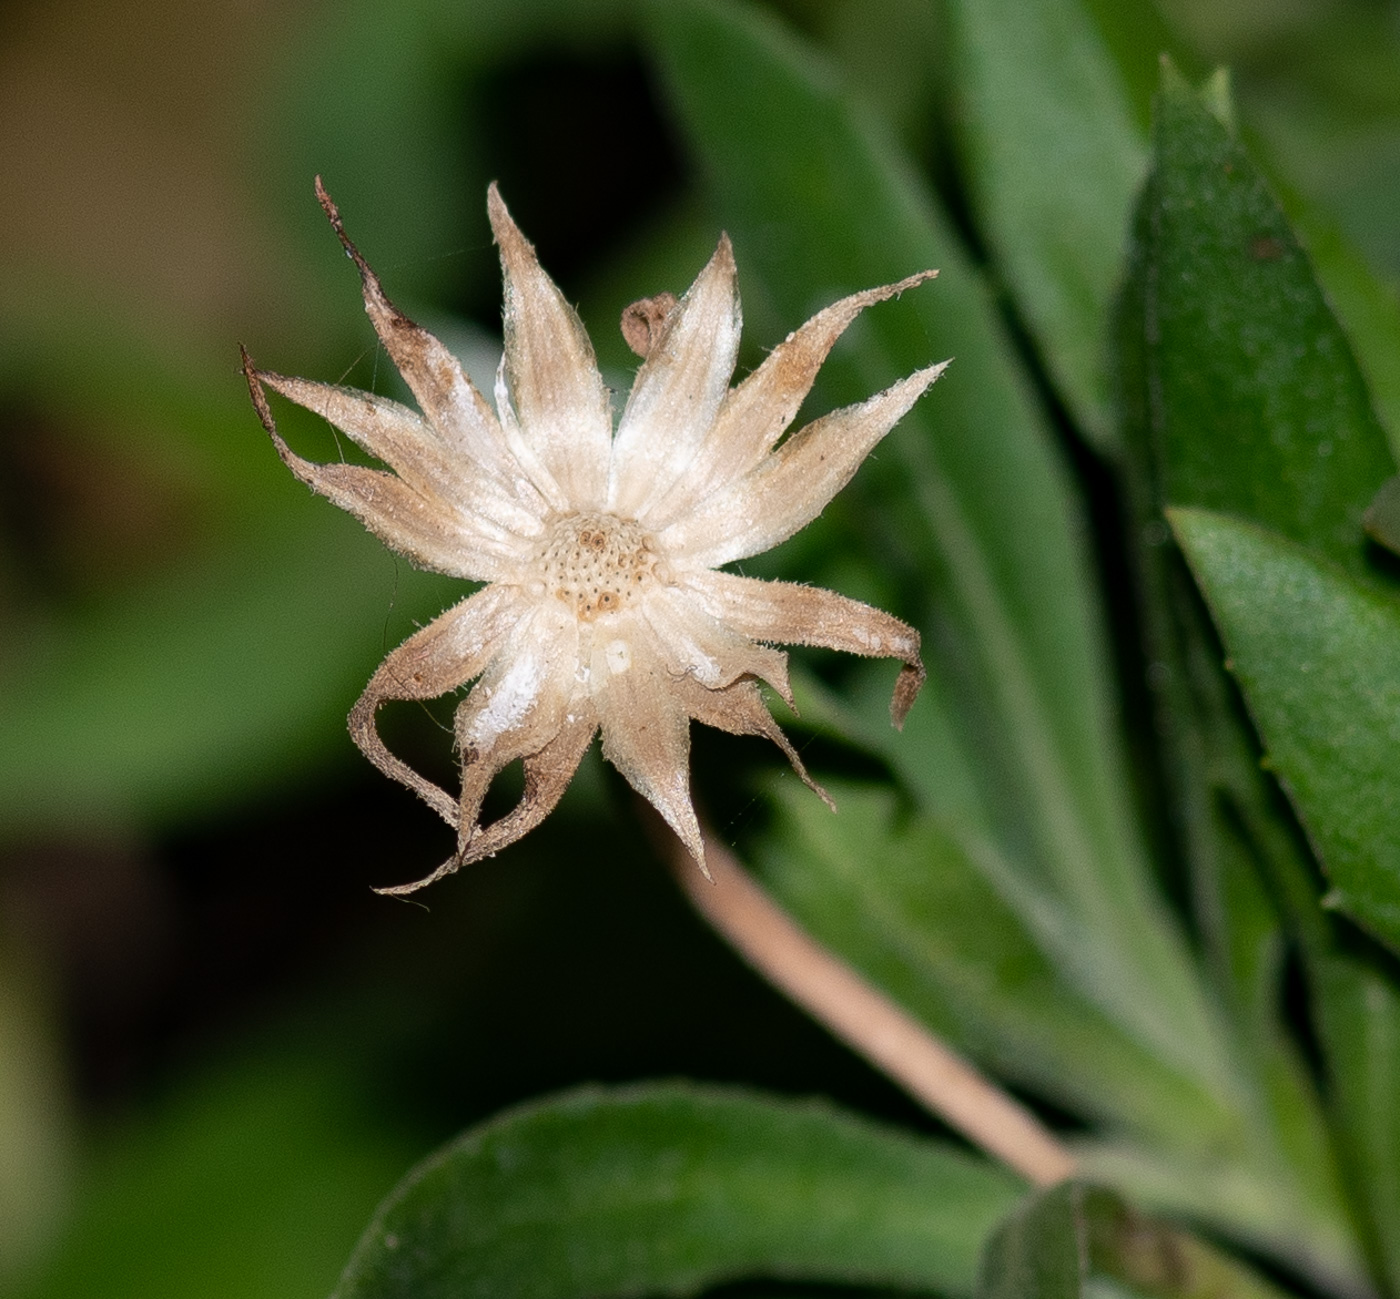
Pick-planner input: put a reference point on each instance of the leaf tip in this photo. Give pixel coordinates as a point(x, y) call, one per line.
point(1215, 95)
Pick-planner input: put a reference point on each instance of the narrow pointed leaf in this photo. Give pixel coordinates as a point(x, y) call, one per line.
point(1318, 656)
point(1260, 410)
point(1053, 159)
point(1367, 306)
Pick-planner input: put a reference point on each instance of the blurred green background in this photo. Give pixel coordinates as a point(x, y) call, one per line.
point(218, 1049)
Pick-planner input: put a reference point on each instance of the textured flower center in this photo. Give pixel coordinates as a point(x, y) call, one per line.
point(595, 562)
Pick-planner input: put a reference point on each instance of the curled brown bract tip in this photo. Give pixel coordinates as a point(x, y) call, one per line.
point(367, 739)
point(643, 321)
point(906, 689)
point(547, 775)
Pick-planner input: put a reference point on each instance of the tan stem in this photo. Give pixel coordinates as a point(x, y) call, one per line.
point(867, 1020)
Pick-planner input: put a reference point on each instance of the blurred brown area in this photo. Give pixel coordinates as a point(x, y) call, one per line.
point(131, 139)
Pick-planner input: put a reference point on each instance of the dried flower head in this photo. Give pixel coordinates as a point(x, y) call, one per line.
point(603, 607)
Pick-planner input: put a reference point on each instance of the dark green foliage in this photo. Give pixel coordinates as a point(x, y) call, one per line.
point(1078, 1240)
point(669, 1188)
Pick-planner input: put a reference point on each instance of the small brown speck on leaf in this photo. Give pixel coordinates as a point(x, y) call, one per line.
point(1265, 248)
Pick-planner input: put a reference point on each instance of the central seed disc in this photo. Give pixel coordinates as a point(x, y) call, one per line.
point(595, 562)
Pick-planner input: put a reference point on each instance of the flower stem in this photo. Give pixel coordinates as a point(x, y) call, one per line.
point(866, 1020)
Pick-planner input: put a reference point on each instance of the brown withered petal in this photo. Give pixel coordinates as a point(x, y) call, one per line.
point(642, 320)
point(604, 610)
point(809, 615)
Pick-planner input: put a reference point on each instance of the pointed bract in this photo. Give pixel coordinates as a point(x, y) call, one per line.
point(740, 710)
point(558, 395)
point(757, 413)
point(790, 487)
point(399, 437)
point(809, 615)
point(646, 730)
point(458, 416)
point(419, 524)
point(678, 390)
point(603, 610)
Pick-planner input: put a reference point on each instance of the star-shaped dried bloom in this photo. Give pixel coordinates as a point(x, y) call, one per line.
point(605, 606)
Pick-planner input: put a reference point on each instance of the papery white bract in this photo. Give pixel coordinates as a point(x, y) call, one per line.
point(603, 608)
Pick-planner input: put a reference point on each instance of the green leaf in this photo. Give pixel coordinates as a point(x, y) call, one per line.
point(1053, 160)
point(1368, 308)
point(1208, 327)
point(1234, 379)
point(1311, 647)
point(1076, 1241)
point(1359, 1017)
point(1318, 656)
point(1259, 408)
point(668, 1188)
point(909, 904)
point(820, 204)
